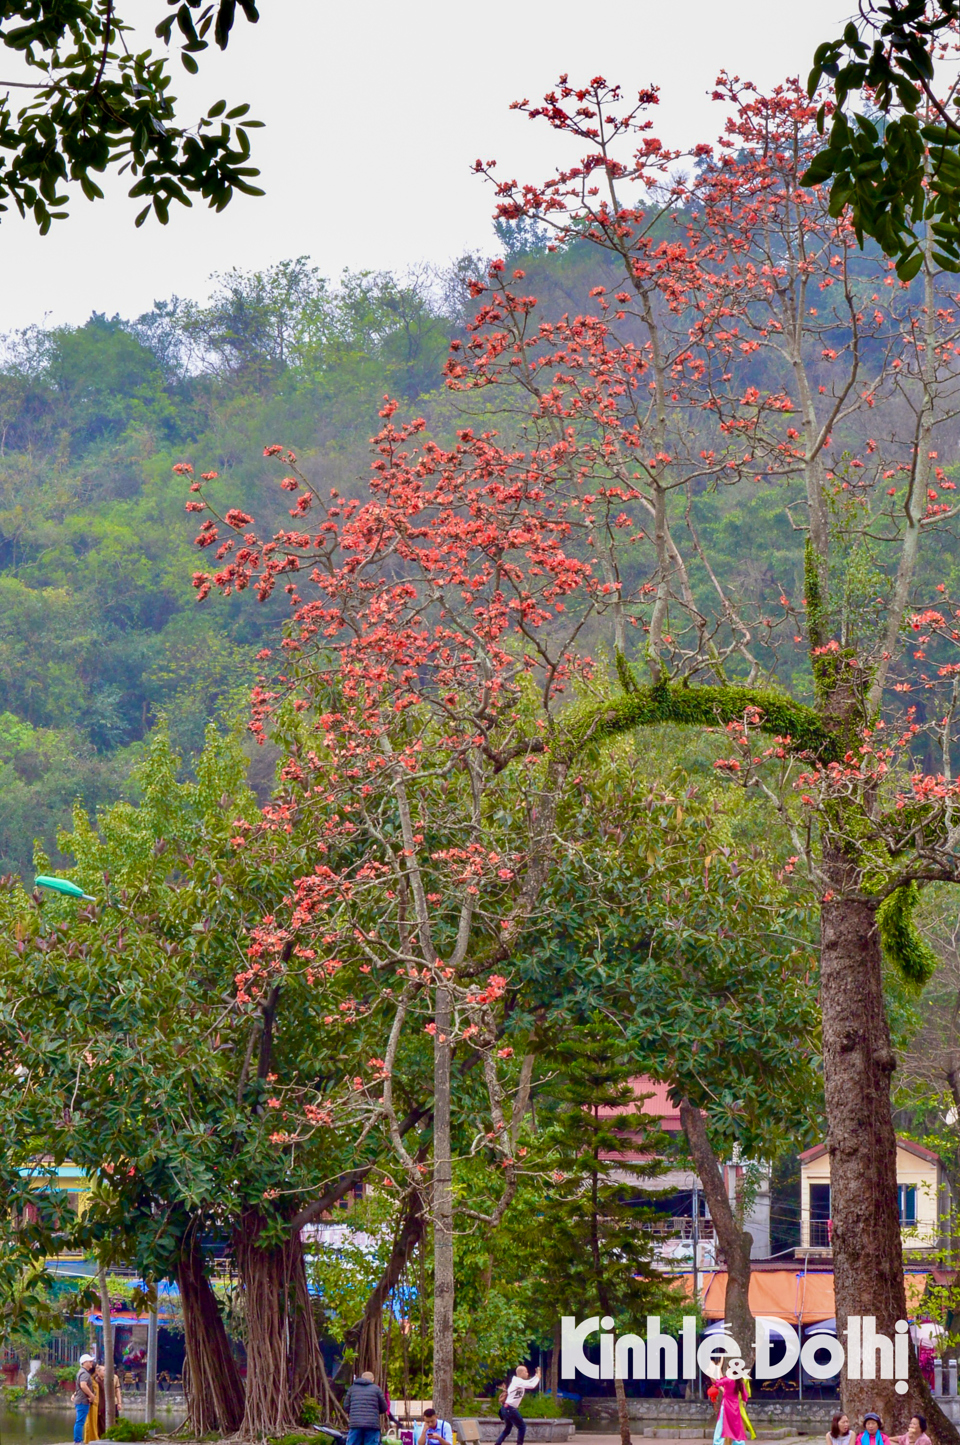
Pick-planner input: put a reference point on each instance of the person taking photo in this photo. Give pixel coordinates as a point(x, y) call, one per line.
point(510, 1404)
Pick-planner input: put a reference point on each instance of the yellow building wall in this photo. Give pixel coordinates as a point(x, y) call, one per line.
point(923, 1173)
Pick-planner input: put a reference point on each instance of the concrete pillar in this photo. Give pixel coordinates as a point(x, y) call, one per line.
point(952, 1374)
point(938, 1376)
point(151, 1402)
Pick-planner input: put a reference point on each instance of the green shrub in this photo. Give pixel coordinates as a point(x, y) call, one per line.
point(310, 1411)
point(13, 1393)
point(42, 1388)
point(130, 1430)
point(544, 1407)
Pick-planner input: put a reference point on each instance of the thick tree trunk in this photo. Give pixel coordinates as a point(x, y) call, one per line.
point(284, 1363)
point(213, 1384)
point(734, 1241)
point(442, 1205)
point(858, 1061)
point(367, 1336)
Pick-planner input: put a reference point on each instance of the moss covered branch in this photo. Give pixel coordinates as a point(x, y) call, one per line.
point(705, 706)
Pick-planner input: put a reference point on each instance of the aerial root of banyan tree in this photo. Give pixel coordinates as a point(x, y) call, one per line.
point(284, 1363)
point(367, 1335)
point(212, 1380)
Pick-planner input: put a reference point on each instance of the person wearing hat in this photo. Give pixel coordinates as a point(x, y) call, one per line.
point(83, 1396)
point(873, 1430)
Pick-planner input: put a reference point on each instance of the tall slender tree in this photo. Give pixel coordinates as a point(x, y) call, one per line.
point(597, 1254)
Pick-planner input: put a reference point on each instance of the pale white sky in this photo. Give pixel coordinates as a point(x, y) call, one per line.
point(374, 114)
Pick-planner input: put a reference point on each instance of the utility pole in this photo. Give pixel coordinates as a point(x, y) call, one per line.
point(110, 1401)
point(152, 1331)
point(696, 1239)
point(442, 1199)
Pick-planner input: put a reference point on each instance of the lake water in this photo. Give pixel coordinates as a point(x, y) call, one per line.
point(55, 1427)
point(45, 1427)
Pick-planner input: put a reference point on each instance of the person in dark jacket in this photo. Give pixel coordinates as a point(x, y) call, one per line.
point(364, 1403)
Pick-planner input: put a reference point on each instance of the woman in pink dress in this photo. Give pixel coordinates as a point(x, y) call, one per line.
point(734, 1392)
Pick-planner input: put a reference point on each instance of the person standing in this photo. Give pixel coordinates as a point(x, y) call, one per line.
point(715, 1398)
point(364, 1403)
point(102, 1400)
point(510, 1408)
point(83, 1396)
point(734, 1425)
point(91, 1430)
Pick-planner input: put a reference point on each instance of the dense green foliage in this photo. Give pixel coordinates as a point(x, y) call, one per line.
point(99, 633)
point(596, 1256)
point(897, 169)
point(137, 1062)
point(672, 911)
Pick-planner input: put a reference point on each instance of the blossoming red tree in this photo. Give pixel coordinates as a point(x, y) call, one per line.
point(867, 377)
point(431, 732)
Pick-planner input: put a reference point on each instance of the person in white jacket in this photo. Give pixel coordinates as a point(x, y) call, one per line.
point(510, 1409)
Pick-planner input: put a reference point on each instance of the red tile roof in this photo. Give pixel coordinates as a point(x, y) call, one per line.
point(656, 1102)
point(818, 1151)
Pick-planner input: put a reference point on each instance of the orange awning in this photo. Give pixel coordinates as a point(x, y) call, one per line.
point(788, 1294)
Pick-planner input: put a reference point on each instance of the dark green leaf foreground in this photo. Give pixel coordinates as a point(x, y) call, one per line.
point(77, 101)
point(897, 168)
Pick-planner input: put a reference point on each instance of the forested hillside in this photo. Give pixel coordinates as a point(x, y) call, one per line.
point(100, 632)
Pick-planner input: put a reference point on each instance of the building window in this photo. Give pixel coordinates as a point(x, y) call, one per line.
point(819, 1216)
point(907, 1203)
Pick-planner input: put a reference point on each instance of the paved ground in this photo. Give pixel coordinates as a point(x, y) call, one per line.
point(583, 1438)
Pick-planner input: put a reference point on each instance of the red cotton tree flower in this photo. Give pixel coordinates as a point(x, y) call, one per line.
point(440, 683)
point(440, 660)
